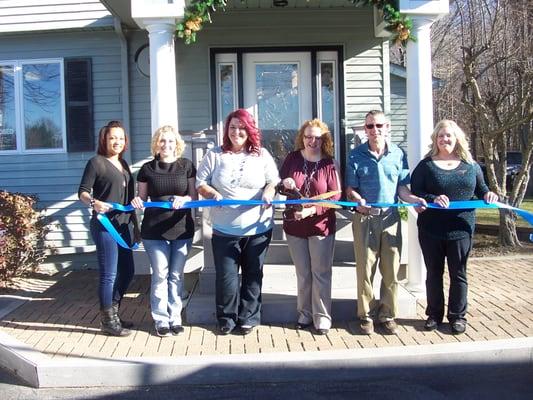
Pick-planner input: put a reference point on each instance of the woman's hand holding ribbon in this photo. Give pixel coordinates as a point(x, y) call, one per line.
point(101, 207)
point(137, 203)
point(442, 200)
point(179, 201)
point(304, 213)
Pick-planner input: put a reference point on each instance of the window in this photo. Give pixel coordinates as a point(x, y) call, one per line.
point(226, 82)
point(79, 104)
point(32, 117)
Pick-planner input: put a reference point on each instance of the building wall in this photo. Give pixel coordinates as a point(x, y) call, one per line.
point(32, 15)
point(398, 111)
point(55, 177)
point(350, 28)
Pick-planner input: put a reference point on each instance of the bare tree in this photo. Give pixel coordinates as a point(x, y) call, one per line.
point(484, 52)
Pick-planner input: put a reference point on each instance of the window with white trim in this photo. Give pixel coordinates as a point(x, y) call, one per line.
point(32, 106)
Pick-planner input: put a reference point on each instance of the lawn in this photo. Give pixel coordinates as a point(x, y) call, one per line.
point(492, 216)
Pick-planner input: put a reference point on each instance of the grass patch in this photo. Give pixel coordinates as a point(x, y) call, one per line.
point(488, 216)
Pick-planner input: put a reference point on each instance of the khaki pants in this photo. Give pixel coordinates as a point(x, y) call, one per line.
point(377, 242)
point(313, 258)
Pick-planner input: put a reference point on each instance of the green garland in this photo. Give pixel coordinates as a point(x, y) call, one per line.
point(399, 25)
point(199, 12)
point(196, 14)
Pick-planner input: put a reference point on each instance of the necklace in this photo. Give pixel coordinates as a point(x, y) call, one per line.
point(308, 177)
point(237, 171)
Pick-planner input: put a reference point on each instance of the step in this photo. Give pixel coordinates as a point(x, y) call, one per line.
point(279, 297)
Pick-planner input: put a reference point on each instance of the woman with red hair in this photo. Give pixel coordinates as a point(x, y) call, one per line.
point(239, 169)
point(107, 178)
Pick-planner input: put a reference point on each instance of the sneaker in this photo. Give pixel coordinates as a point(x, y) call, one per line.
point(458, 327)
point(367, 326)
point(431, 324)
point(177, 329)
point(390, 326)
point(246, 329)
point(162, 331)
point(321, 331)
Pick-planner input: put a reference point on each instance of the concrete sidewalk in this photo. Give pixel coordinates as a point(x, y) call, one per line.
point(49, 335)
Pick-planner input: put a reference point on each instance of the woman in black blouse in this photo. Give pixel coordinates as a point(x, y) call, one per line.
point(167, 234)
point(107, 178)
point(447, 173)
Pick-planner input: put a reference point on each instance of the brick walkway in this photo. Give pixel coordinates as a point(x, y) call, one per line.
point(63, 321)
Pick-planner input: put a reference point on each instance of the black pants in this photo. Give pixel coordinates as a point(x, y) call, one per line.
point(456, 253)
point(239, 305)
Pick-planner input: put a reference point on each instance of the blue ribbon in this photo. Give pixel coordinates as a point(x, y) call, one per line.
point(454, 205)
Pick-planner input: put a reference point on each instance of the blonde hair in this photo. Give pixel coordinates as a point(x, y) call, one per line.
point(180, 144)
point(462, 149)
point(327, 141)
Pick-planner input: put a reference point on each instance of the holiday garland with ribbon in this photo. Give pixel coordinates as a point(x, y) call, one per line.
point(198, 12)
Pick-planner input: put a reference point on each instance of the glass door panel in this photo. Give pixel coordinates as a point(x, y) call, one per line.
point(277, 91)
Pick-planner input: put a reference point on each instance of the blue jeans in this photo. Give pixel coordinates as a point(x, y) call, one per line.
point(234, 305)
point(167, 258)
point(115, 265)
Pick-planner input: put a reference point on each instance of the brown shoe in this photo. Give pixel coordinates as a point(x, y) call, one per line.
point(391, 327)
point(367, 327)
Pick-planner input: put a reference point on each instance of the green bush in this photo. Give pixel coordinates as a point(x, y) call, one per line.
point(22, 234)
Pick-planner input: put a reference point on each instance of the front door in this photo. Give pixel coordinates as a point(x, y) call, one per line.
point(277, 92)
point(277, 89)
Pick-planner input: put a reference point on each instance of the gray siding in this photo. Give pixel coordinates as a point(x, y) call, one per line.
point(349, 27)
point(398, 110)
point(55, 177)
point(31, 15)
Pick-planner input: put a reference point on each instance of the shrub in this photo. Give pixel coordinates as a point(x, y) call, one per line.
point(22, 234)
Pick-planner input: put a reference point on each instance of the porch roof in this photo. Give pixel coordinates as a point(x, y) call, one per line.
point(122, 9)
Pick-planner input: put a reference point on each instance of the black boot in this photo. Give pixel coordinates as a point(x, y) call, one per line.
point(110, 323)
point(125, 324)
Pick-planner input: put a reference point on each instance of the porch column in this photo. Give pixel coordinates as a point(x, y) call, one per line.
point(419, 128)
point(163, 95)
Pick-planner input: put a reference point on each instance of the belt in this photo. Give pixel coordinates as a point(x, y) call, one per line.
point(379, 211)
point(375, 211)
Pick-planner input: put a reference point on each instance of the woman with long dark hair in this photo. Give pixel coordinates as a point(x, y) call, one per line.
point(107, 178)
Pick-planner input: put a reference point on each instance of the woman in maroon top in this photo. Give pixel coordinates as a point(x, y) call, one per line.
point(310, 170)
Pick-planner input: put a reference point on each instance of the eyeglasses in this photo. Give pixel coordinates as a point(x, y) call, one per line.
point(371, 126)
point(312, 137)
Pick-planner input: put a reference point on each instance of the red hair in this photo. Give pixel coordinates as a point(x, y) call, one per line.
point(253, 143)
point(102, 138)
